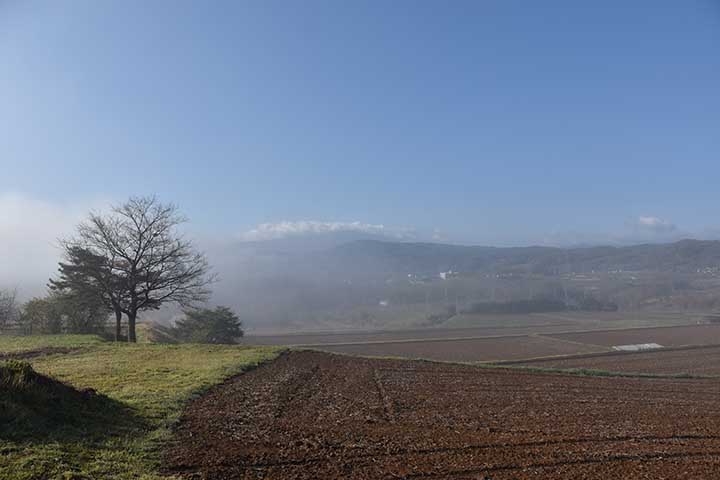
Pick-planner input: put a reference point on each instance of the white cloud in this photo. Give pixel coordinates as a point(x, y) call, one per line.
point(271, 231)
point(438, 236)
point(655, 224)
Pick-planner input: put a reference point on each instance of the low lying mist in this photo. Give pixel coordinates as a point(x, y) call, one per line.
point(368, 277)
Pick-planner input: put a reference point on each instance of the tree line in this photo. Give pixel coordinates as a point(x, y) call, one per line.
point(122, 263)
point(541, 305)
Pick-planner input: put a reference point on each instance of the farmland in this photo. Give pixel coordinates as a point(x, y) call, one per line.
point(564, 405)
point(467, 350)
point(314, 415)
point(511, 337)
point(516, 347)
point(483, 325)
point(429, 334)
point(697, 361)
point(665, 336)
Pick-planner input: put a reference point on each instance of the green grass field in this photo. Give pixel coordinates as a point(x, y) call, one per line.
point(23, 344)
point(147, 385)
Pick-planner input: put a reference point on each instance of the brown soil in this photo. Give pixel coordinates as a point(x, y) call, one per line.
point(666, 336)
point(468, 350)
point(703, 360)
point(311, 415)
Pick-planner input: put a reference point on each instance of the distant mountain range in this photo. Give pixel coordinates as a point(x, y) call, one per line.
point(324, 280)
point(682, 256)
point(333, 258)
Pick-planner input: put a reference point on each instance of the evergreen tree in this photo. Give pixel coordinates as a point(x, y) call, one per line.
point(219, 325)
point(89, 282)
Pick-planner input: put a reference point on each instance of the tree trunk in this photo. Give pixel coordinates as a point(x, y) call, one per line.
point(118, 324)
point(131, 327)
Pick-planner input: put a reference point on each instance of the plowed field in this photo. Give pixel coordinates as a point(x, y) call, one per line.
point(692, 361)
point(310, 415)
point(665, 336)
point(468, 350)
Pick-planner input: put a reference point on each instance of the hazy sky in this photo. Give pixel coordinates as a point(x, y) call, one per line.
point(497, 122)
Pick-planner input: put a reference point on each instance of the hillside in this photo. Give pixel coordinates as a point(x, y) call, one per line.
point(329, 283)
point(683, 256)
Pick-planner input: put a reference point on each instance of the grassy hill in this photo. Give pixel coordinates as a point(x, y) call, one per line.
point(142, 390)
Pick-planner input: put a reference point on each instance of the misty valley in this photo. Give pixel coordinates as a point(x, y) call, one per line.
point(359, 240)
point(305, 285)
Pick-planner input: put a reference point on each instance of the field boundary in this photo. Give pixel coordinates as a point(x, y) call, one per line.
point(537, 370)
point(409, 340)
point(612, 353)
point(547, 335)
point(572, 342)
point(403, 330)
point(597, 372)
point(624, 329)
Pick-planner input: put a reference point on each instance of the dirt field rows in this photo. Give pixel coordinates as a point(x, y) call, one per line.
point(472, 350)
point(692, 361)
point(483, 326)
point(481, 344)
point(665, 336)
point(311, 415)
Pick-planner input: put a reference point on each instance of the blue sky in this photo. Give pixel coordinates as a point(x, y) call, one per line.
point(494, 122)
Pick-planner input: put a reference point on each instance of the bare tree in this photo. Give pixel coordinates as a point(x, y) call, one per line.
point(147, 261)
